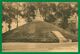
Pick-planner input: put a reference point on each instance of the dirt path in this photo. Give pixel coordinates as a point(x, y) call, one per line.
point(40, 47)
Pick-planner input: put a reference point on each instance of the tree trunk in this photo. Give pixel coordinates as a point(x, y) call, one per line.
point(17, 22)
point(9, 27)
point(64, 23)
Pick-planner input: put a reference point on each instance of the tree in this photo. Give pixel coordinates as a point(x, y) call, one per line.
point(44, 10)
point(8, 14)
point(52, 7)
point(50, 18)
point(30, 12)
point(65, 11)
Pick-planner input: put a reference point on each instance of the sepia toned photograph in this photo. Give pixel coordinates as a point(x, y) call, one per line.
point(40, 27)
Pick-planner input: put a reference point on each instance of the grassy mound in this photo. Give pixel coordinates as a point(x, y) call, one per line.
point(37, 31)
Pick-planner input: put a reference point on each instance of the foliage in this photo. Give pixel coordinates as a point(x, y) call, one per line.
point(50, 12)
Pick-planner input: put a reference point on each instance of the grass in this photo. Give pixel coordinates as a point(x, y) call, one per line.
point(37, 31)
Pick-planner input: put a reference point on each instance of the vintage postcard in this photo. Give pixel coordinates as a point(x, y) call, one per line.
point(39, 26)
